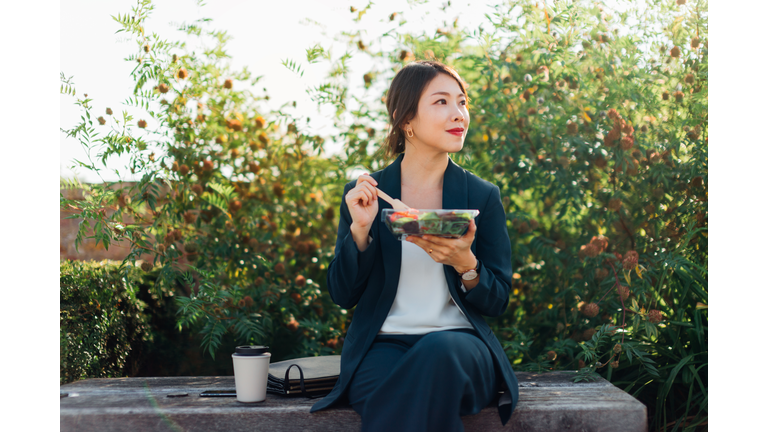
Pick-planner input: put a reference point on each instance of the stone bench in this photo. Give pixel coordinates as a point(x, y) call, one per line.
point(548, 402)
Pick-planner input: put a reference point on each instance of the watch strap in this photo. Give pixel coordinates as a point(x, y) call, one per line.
point(476, 268)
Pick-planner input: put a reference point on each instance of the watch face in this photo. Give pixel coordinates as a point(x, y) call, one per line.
point(469, 275)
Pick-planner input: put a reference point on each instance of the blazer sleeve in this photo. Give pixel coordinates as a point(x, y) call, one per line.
point(349, 270)
point(494, 255)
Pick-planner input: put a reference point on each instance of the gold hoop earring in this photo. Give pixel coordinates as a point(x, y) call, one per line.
point(409, 133)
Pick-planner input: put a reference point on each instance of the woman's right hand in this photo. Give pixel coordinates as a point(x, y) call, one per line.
point(362, 201)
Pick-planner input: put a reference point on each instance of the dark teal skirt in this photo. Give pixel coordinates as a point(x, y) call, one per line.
point(423, 382)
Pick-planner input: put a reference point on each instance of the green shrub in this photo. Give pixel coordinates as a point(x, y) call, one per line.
point(103, 326)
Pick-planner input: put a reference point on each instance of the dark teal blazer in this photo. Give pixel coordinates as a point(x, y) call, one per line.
point(369, 279)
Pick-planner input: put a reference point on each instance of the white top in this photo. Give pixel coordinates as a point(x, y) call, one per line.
point(423, 303)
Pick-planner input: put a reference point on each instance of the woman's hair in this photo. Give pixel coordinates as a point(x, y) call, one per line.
point(404, 94)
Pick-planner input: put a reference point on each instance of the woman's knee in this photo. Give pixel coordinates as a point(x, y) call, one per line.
point(454, 347)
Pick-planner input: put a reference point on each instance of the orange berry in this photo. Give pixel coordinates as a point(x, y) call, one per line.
point(591, 310)
point(182, 74)
point(630, 260)
point(675, 52)
point(101, 121)
point(278, 190)
point(163, 88)
point(697, 182)
point(601, 273)
point(228, 84)
point(627, 142)
point(600, 162)
point(589, 250)
point(695, 42)
point(300, 280)
point(613, 136)
point(234, 206)
point(142, 124)
point(655, 316)
point(623, 292)
point(292, 325)
point(235, 124)
point(601, 242)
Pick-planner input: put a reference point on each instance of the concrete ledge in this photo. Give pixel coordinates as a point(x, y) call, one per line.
point(548, 402)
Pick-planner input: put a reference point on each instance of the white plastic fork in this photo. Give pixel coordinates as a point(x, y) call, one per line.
point(395, 203)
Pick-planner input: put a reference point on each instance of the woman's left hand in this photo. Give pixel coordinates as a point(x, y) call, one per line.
point(453, 252)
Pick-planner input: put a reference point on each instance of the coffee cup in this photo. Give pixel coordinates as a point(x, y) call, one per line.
point(251, 364)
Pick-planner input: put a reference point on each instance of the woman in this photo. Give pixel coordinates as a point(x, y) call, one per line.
point(418, 353)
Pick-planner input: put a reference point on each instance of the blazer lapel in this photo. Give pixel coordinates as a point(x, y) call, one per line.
point(392, 252)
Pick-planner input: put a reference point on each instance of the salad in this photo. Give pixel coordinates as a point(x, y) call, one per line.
point(440, 223)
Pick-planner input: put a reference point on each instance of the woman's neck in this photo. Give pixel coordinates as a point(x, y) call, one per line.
point(422, 171)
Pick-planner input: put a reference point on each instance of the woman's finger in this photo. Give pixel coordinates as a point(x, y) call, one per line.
point(371, 189)
point(366, 197)
point(472, 229)
point(424, 244)
point(437, 241)
point(357, 196)
point(366, 178)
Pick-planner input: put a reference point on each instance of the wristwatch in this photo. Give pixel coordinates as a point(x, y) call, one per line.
point(471, 273)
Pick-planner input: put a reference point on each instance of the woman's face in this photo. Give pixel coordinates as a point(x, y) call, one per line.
point(442, 118)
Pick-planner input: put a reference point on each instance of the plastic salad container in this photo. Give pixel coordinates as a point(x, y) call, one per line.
point(436, 222)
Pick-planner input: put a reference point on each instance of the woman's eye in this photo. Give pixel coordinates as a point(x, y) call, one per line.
point(463, 102)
